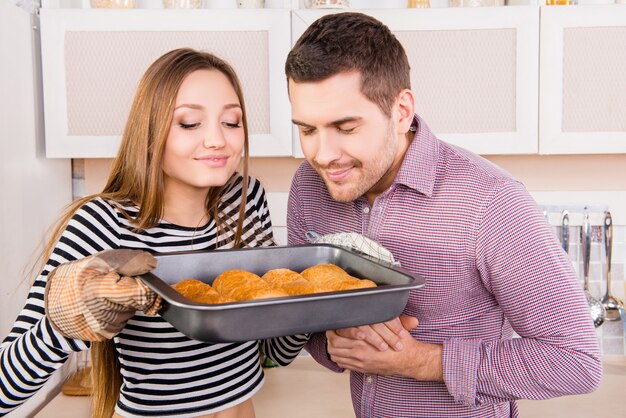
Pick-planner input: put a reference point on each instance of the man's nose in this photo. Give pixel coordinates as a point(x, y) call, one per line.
point(328, 149)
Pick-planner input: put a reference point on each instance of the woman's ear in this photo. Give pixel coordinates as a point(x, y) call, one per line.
point(405, 110)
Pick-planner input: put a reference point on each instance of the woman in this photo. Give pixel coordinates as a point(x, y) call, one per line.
point(173, 187)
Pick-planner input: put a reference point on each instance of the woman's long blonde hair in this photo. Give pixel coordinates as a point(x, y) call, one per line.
point(136, 176)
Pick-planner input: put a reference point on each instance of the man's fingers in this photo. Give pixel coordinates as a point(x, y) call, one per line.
point(355, 333)
point(382, 336)
point(408, 322)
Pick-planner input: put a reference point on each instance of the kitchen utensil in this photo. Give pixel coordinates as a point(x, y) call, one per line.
point(595, 306)
point(264, 318)
point(611, 303)
point(79, 383)
point(565, 230)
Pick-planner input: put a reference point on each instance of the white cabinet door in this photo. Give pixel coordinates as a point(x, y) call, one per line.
point(93, 60)
point(583, 80)
point(474, 72)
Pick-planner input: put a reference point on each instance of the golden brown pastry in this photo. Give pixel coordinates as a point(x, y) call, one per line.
point(290, 281)
point(240, 285)
point(280, 277)
point(200, 292)
point(301, 287)
point(332, 278)
point(244, 285)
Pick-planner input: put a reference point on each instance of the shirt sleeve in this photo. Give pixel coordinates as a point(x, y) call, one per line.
point(296, 225)
point(522, 264)
point(34, 350)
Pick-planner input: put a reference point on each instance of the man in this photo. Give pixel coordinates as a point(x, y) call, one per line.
point(491, 261)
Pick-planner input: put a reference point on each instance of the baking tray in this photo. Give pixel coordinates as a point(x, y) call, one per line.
point(265, 318)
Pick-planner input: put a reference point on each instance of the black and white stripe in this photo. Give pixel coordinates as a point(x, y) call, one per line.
point(165, 373)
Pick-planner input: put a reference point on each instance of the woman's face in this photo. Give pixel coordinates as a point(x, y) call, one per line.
point(203, 148)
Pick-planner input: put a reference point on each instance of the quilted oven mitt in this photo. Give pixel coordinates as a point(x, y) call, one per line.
point(355, 242)
point(92, 298)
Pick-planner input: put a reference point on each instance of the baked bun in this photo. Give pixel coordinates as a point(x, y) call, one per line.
point(244, 285)
point(290, 281)
point(332, 278)
point(280, 277)
point(200, 292)
point(240, 285)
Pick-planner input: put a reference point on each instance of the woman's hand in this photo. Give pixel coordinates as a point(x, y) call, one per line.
point(92, 298)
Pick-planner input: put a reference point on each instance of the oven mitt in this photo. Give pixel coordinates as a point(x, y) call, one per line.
point(355, 242)
point(92, 298)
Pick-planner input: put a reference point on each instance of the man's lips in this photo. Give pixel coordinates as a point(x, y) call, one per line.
point(338, 174)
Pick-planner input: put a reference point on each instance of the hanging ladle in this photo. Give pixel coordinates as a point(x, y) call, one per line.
point(565, 230)
point(595, 306)
point(611, 303)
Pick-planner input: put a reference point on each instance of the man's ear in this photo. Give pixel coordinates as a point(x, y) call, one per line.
point(405, 110)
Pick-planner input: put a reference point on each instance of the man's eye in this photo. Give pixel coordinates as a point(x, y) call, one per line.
point(189, 125)
point(346, 131)
point(307, 132)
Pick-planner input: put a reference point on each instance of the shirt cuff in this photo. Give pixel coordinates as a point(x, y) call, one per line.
point(461, 360)
point(317, 348)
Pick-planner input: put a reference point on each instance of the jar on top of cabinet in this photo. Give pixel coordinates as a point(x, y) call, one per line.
point(326, 4)
point(112, 4)
point(182, 4)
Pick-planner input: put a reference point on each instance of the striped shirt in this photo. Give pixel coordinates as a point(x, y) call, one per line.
point(492, 266)
point(164, 372)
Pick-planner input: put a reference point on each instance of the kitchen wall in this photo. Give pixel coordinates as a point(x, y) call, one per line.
point(554, 181)
point(33, 189)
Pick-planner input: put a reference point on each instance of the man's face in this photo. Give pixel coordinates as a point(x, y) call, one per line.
point(349, 141)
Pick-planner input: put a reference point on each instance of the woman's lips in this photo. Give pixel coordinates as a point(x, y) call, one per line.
point(213, 161)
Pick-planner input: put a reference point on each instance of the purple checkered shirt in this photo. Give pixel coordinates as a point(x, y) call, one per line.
point(493, 266)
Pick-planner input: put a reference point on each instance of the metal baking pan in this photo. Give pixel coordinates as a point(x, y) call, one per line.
point(265, 318)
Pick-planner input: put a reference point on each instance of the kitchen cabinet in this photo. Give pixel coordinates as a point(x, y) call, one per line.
point(474, 72)
point(583, 80)
point(496, 80)
point(93, 59)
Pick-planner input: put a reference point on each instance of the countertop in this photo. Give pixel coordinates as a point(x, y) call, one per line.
point(326, 394)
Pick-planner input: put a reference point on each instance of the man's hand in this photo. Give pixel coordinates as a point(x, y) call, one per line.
point(383, 335)
point(366, 349)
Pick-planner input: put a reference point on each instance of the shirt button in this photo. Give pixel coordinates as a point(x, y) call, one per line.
point(366, 210)
point(369, 379)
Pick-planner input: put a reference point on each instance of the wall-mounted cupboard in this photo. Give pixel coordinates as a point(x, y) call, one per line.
point(496, 80)
point(93, 60)
point(582, 102)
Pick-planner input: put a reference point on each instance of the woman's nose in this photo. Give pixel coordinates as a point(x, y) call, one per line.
point(213, 137)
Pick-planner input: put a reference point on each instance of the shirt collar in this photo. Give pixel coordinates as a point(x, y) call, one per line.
point(419, 167)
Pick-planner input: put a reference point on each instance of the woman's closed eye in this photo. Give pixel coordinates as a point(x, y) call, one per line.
point(189, 125)
point(232, 125)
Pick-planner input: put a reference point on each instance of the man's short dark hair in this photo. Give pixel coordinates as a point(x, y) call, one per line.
point(345, 42)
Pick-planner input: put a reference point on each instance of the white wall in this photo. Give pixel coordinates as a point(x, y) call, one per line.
point(33, 190)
